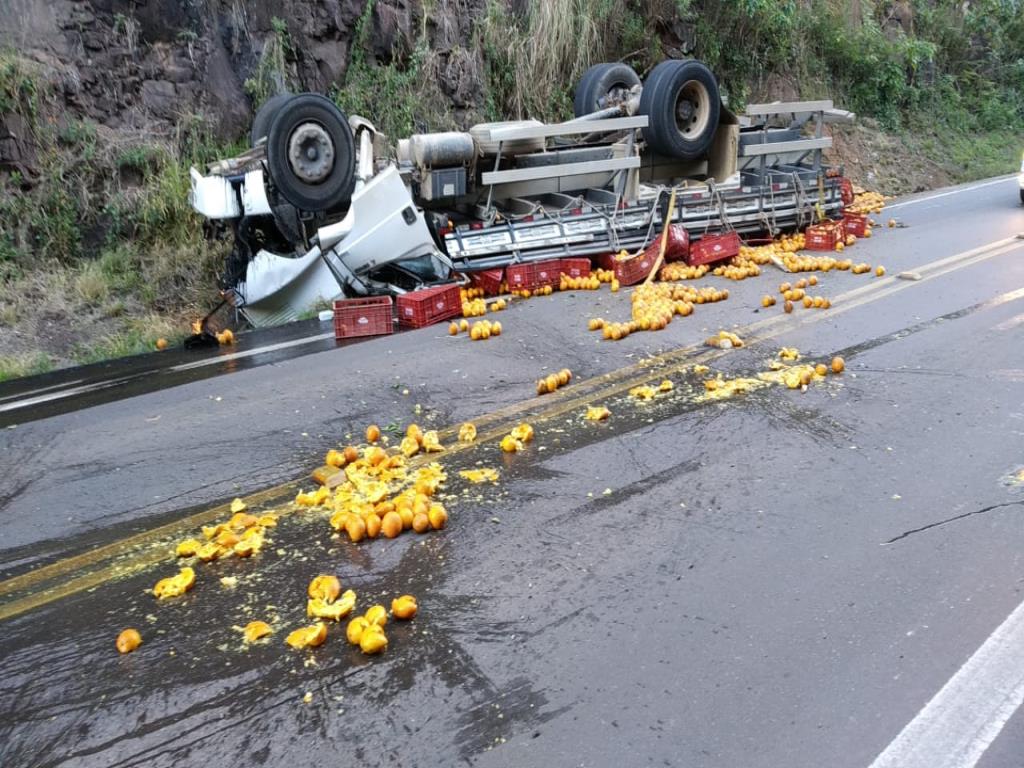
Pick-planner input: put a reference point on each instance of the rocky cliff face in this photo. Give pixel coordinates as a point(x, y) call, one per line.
point(131, 64)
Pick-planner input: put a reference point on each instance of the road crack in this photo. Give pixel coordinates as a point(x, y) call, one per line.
point(940, 523)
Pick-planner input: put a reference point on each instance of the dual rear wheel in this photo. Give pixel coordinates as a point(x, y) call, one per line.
point(680, 98)
point(310, 150)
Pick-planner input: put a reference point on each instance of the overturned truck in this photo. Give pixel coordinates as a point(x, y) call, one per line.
point(322, 207)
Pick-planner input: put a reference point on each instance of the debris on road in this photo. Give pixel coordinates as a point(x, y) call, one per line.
point(467, 432)
point(597, 413)
point(643, 393)
point(308, 637)
point(404, 607)
point(174, 586)
point(128, 640)
point(256, 630)
point(553, 381)
point(725, 340)
point(481, 475)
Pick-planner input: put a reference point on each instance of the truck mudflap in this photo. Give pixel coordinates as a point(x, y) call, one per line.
point(382, 245)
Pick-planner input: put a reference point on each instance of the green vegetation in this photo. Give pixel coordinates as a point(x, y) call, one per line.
point(400, 96)
point(25, 364)
point(102, 239)
point(273, 73)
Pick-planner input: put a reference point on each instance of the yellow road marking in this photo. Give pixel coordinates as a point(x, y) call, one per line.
point(496, 423)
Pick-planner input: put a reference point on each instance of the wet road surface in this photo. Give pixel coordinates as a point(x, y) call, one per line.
point(71, 389)
point(779, 578)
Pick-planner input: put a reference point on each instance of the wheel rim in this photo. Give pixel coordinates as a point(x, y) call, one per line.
point(311, 153)
point(615, 95)
point(693, 109)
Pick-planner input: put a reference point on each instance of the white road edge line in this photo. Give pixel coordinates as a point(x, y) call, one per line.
point(956, 191)
point(25, 402)
point(251, 352)
point(963, 719)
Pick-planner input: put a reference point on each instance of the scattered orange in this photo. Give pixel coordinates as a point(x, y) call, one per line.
point(372, 433)
point(324, 587)
point(356, 528)
point(376, 614)
point(254, 630)
point(161, 343)
point(356, 627)
point(438, 517)
point(391, 525)
point(838, 364)
point(788, 306)
point(404, 607)
point(130, 639)
point(372, 640)
point(173, 586)
point(308, 637)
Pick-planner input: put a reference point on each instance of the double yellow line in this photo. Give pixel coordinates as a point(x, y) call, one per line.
point(137, 552)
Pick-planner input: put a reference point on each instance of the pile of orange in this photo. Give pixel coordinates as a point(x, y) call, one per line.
point(553, 381)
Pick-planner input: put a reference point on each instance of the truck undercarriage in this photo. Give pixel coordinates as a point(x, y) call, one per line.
point(321, 208)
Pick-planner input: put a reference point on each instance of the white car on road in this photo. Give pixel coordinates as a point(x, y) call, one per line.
point(1020, 179)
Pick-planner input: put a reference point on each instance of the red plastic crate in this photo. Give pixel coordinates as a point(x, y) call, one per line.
point(574, 267)
point(418, 309)
point(823, 237)
point(489, 280)
point(362, 317)
point(678, 246)
point(530, 276)
point(712, 248)
point(846, 191)
point(855, 224)
point(632, 271)
point(604, 260)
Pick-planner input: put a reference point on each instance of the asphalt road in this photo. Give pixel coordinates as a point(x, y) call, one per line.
point(782, 578)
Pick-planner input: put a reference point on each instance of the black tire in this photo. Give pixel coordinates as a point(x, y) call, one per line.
point(265, 116)
point(682, 104)
point(1022, 197)
point(324, 180)
point(600, 81)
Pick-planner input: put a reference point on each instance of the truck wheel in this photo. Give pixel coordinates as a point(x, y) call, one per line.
point(682, 103)
point(265, 116)
point(602, 86)
point(311, 154)
point(1022, 197)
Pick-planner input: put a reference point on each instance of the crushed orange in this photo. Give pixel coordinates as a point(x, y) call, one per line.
point(254, 630)
point(324, 587)
point(308, 637)
point(173, 586)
